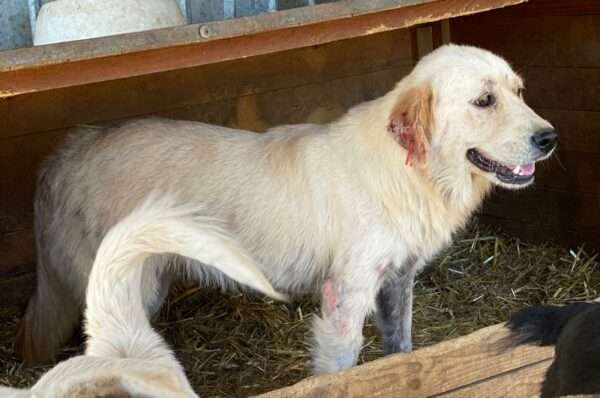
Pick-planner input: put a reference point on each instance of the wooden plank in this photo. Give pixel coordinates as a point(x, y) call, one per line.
point(319, 102)
point(430, 371)
point(523, 382)
point(576, 89)
point(141, 95)
point(539, 8)
point(545, 206)
point(536, 40)
point(543, 215)
point(579, 130)
point(32, 70)
point(570, 170)
point(537, 231)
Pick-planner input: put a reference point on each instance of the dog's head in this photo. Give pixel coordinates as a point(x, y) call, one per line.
point(461, 113)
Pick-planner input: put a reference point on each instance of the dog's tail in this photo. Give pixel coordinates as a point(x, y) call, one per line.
point(116, 322)
point(542, 324)
point(7, 392)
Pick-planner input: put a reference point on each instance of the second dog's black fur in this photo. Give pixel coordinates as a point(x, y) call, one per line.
point(575, 330)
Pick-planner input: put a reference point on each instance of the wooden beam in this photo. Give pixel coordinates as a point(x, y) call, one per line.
point(541, 8)
point(479, 364)
point(89, 61)
point(202, 32)
point(552, 37)
point(522, 382)
point(110, 100)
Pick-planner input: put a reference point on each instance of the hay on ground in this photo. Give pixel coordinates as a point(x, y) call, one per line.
point(236, 346)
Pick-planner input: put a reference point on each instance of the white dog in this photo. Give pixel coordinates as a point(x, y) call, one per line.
point(125, 357)
point(351, 209)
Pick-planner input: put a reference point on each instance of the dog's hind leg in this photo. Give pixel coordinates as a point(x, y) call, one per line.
point(394, 309)
point(50, 319)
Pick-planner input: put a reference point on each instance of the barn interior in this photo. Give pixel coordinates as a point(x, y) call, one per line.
point(255, 67)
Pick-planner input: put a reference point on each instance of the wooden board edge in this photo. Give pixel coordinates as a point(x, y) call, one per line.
point(490, 339)
point(132, 55)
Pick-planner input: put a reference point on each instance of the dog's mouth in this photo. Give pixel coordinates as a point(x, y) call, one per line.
point(514, 175)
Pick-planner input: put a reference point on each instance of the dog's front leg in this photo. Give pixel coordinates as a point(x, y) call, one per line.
point(338, 333)
point(394, 309)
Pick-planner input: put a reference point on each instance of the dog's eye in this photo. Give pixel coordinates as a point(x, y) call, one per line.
point(485, 100)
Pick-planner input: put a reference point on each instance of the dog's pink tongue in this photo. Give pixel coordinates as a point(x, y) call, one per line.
point(525, 169)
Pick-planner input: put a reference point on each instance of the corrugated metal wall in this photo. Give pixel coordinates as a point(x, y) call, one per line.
point(15, 28)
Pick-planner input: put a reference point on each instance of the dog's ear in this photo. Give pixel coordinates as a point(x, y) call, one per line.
point(410, 122)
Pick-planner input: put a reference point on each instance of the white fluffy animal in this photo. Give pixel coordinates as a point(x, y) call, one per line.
point(124, 356)
point(351, 209)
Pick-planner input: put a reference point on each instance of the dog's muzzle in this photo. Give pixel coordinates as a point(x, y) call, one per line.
point(544, 140)
point(514, 175)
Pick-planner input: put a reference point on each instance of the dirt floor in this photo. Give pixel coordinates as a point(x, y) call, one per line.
point(240, 346)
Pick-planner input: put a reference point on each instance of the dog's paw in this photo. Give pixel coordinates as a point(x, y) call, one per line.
point(396, 344)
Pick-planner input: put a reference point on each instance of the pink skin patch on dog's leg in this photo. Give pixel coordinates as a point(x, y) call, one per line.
point(329, 297)
point(338, 346)
point(331, 307)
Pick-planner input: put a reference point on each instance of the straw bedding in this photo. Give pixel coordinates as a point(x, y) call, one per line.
point(237, 346)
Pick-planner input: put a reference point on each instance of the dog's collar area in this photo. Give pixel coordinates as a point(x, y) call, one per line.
point(518, 175)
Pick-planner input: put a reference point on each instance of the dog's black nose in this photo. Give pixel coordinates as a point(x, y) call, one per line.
point(545, 140)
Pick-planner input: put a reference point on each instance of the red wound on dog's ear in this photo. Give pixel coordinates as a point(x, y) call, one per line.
point(410, 123)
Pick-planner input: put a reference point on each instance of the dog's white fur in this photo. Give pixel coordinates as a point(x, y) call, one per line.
point(124, 356)
point(333, 208)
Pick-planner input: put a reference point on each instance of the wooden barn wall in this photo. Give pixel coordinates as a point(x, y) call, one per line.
point(312, 83)
point(555, 46)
